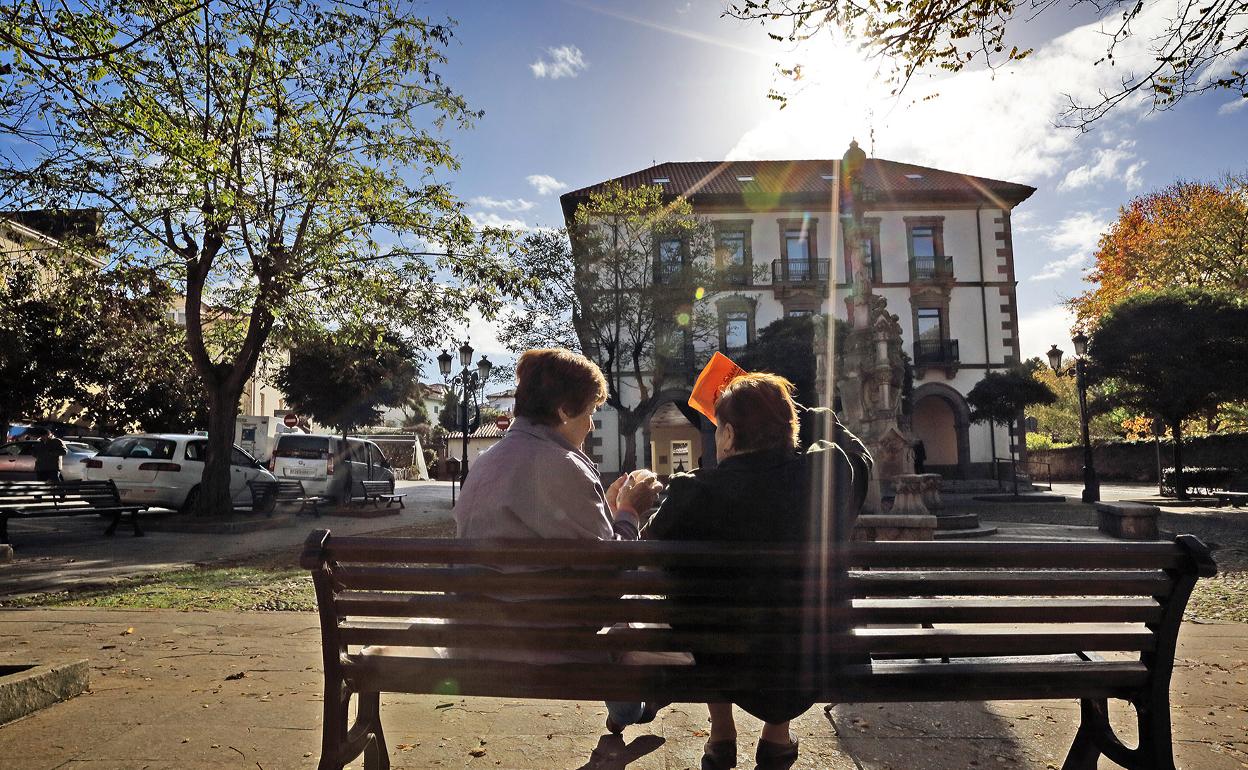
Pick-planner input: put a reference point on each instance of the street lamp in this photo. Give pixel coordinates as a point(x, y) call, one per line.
point(1091, 487)
point(468, 385)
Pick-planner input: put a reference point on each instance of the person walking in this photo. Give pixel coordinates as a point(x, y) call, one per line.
point(49, 457)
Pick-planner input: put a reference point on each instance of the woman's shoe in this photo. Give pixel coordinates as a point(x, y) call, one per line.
point(719, 755)
point(776, 755)
point(613, 727)
point(651, 710)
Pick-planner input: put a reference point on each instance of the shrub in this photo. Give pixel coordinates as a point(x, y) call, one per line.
point(1202, 480)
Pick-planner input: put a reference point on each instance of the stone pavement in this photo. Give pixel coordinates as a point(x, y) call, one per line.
point(243, 690)
point(58, 553)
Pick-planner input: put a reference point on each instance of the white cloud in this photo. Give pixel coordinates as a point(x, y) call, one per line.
point(1106, 164)
point(1076, 235)
point(1230, 108)
point(566, 61)
point(513, 205)
point(490, 219)
point(1038, 330)
point(998, 124)
point(545, 184)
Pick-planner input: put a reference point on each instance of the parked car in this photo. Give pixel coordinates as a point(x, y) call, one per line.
point(17, 460)
point(163, 470)
point(329, 467)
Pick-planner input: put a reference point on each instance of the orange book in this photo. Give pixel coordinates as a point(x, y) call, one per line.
point(715, 376)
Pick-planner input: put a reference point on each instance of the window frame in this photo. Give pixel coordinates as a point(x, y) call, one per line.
point(745, 227)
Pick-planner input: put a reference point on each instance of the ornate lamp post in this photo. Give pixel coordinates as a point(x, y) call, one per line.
point(1091, 487)
point(468, 385)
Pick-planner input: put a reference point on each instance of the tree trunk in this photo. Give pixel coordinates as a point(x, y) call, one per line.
point(630, 421)
point(1180, 483)
point(214, 486)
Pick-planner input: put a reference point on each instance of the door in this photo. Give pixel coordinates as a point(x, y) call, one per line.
point(242, 470)
point(17, 461)
point(357, 462)
point(378, 467)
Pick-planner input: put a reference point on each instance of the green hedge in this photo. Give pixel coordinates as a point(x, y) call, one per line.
point(1202, 480)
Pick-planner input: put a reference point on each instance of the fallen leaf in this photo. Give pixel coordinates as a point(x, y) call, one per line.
point(128, 631)
point(443, 706)
point(239, 675)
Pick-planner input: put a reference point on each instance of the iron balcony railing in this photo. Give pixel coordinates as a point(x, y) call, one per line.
point(931, 268)
point(936, 352)
point(799, 271)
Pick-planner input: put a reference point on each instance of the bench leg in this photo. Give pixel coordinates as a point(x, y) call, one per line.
point(1156, 750)
point(4, 529)
point(334, 727)
point(134, 522)
point(112, 527)
point(376, 755)
point(1093, 726)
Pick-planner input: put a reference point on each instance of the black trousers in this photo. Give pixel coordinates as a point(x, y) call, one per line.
point(47, 475)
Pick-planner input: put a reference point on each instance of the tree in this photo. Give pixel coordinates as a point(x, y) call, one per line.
point(1197, 52)
point(414, 412)
point(1188, 234)
point(627, 288)
point(1059, 420)
point(1174, 354)
point(787, 347)
point(57, 311)
point(340, 378)
point(1001, 398)
point(448, 418)
point(278, 161)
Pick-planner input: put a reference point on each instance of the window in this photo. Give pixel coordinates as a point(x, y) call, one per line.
point(357, 451)
point(155, 448)
point(730, 246)
point(923, 242)
point(796, 246)
point(239, 457)
point(736, 330)
point(375, 457)
point(671, 259)
point(926, 241)
point(800, 313)
point(197, 451)
point(930, 325)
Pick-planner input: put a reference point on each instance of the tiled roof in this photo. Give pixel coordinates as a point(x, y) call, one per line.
point(488, 430)
point(779, 182)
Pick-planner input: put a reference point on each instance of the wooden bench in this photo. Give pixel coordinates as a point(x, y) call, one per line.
point(267, 495)
point(376, 491)
point(46, 499)
point(988, 608)
point(1236, 499)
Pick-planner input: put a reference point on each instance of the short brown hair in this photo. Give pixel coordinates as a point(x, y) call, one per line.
point(550, 378)
point(760, 409)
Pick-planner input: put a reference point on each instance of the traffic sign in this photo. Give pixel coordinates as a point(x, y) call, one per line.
point(502, 423)
point(290, 420)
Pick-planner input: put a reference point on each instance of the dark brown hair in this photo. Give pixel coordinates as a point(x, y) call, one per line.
point(760, 409)
point(550, 378)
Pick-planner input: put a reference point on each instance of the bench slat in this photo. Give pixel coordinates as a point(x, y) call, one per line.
point(593, 583)
point(878, 683)
point(658, 610)
point(921, 643)
point(519, 553)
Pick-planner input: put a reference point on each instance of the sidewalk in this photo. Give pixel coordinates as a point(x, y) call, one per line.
point(162, 697)
point(57, 553)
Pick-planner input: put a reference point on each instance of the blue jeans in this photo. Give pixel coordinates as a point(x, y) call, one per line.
point(625, 712)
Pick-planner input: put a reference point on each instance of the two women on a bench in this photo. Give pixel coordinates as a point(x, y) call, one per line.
point(537, 482)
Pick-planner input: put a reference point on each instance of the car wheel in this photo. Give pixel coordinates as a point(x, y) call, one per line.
point(192, 497)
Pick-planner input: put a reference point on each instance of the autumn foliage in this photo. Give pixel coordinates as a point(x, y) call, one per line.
point(1190, 234)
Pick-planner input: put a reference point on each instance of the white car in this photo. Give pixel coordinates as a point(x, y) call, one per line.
point(163, 470)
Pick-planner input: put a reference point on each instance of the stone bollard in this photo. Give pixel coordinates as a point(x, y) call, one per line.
point(931, 493)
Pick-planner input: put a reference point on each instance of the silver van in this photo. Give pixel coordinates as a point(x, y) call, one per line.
point(327, 466)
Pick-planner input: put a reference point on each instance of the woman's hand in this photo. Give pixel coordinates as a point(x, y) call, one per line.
point(640, 491)
point(613, 493)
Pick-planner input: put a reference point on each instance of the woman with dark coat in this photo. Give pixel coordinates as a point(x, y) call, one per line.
point(765, 489)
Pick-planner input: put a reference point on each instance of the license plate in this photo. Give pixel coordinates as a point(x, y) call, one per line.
point(300, 471)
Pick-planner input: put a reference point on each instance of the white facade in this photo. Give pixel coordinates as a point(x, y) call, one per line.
point(942, 259)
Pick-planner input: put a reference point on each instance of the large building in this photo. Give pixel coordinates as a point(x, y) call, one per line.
point(941, 254)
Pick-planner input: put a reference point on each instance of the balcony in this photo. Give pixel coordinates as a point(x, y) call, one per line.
point(931, 268)
point(784, 271)
point(936, 353)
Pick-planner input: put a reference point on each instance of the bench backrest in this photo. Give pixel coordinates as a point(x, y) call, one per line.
point(817, 609)
point(59, 494)
point(262, 489)
point(375, 487)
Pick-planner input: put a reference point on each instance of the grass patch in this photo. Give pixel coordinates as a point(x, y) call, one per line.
point(208, 588)
point(1221, 598)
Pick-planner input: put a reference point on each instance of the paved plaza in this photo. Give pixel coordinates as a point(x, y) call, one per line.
point(174, 689)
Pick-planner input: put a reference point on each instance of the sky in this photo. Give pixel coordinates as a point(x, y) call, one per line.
point(579, 91)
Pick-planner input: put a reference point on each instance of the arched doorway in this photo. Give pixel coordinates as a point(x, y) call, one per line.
point(941, 420)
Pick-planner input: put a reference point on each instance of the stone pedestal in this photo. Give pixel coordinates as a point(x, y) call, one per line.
point(887, 526)
point(26, 688)
point(931, 493)
point(1128, 521)
point(908, 494)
